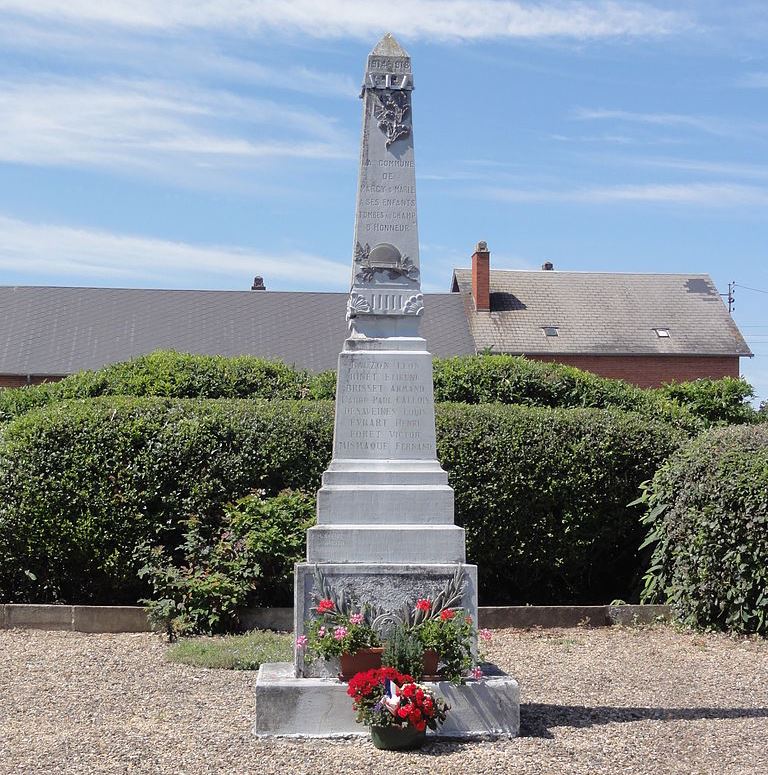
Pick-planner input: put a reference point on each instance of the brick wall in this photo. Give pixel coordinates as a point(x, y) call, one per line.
point(18, 380)
point(650, 370)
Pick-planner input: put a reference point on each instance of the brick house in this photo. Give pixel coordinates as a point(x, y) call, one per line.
point(644, 328)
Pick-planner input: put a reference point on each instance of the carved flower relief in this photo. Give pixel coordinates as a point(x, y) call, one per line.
point(391, 113)
point(356, 304)
point(414, 305)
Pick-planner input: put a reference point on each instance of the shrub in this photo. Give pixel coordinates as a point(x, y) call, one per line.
point(83, 482)
point(708, 524)
point(510, 379)
point(247, 559)
point(168, 374)
point(541, 492)
point(718, 401)
point(542, 495)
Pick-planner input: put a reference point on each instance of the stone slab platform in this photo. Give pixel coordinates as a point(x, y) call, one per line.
point(287, 706)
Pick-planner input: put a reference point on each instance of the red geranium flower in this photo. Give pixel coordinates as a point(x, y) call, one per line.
point(423, 604)
point(447, 614)
point(325, 605)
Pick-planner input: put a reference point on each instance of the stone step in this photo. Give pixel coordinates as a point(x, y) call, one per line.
point(385, 503)
point(369, 543)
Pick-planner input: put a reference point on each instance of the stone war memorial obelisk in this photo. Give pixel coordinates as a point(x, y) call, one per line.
point(385, 534)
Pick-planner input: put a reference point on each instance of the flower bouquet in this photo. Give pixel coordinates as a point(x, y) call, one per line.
point(398, 710)
point(336, 634)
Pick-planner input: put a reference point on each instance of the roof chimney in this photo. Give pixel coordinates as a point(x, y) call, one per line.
point(481, 277)
point(258, 284)
point(547, 266)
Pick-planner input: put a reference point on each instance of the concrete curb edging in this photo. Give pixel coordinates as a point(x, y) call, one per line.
point(127, 618)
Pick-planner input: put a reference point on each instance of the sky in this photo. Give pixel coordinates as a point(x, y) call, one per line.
point(195, 144)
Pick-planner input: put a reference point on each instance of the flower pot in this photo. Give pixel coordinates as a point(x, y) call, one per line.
point(394, 738)
point(359, 662)
point(430, 664)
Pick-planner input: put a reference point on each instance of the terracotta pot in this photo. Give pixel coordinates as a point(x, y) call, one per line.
point(430, 663)
point(394, 738)
point(359, 662)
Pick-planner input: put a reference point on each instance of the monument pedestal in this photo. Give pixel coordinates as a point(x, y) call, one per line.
point(287, 706)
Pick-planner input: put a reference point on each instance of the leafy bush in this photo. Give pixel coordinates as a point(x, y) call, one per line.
point(247, 559)
point(511, 379)
point(718, 401)
point(541, 492)
point(708, 524)
point(542, 495)
point(168, 374)
point(83, 482)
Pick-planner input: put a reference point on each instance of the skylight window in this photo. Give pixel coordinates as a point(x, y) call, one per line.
point(550, 331)
point(662, 333)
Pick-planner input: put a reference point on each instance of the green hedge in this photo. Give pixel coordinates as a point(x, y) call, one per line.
point(541, 492)
point(474, 379)
point(717, 401)
point(83, 482)
point(172, 375)
point(708, 518)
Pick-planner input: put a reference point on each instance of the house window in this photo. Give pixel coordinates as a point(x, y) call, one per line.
point(662, 333)
point(550, 331)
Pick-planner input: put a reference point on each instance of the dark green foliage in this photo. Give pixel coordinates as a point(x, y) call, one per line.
point(542, 494)
point(323, 386)
point(172, 375)
point(718, 401)
point(83, 482)
point(245, 559)
point(708, 524)
point(404, 652)
point(511, 379)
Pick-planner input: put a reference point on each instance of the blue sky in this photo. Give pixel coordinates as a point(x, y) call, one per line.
point(196, 144)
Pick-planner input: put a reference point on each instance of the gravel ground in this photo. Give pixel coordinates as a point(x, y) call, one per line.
point(608, 700)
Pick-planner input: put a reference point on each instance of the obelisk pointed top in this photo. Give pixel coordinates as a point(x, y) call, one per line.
point(389, 47)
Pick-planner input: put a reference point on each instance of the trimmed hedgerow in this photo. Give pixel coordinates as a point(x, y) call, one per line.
point(541, 492)
point(84, 482)
point(708, 525)
point(172, 375)
point(512, 379)
point(723, 401)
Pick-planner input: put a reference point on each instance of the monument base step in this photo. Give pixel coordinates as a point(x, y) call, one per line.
point(287, 706)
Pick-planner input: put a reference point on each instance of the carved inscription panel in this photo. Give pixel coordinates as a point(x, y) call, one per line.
point(385, 407)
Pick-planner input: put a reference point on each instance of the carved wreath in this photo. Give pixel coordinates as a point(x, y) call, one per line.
point(405, 267)
point(392, 114)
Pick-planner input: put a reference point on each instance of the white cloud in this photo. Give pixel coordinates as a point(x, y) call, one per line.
point(756, 80)
point(98, 256)
point(443, 19)
point(708, 124)
point(692, 194)
point(156, 128)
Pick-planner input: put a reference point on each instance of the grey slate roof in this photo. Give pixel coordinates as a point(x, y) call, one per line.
point(57, 331)
point(601, 313)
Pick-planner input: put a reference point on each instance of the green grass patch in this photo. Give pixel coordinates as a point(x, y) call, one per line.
point(233, 652)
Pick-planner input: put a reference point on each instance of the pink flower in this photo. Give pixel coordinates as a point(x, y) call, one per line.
point(476, 672)
point(485, 634)
point(339, 633)
point(301, 641)
point(321, 632)
point(356, 618)
point(423, 604)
